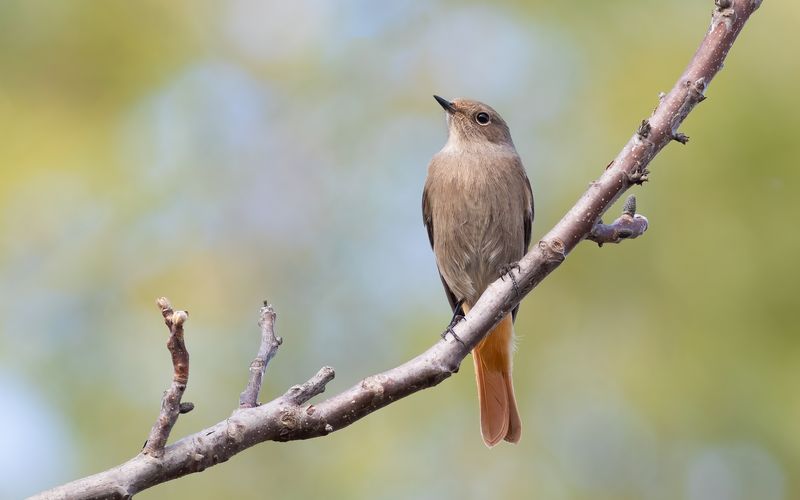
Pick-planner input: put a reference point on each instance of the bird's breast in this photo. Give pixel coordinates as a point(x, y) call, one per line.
point(478, 206)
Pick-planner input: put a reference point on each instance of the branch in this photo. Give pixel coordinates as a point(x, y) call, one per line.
point(289, 417)
point(629, 225)
point(269, 346)
point(171, 405)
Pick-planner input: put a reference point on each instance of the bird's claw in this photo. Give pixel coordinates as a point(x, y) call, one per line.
point(456, 319)
point(507, 270)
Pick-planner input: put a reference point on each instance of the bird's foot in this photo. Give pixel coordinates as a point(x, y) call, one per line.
point(457, 318)
point(507, 270)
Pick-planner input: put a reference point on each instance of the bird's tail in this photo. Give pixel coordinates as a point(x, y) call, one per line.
point(492, 357)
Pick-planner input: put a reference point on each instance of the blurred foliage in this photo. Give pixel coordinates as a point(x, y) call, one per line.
point(219, 153)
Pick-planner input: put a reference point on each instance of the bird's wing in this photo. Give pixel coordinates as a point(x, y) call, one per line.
point(427, 219)
point(528, 219)
point(528, 223)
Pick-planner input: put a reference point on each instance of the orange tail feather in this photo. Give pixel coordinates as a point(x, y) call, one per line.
point(492, 357)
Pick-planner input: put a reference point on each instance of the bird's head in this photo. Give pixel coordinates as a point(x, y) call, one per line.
point(472, 122)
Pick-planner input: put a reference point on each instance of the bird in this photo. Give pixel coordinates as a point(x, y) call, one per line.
point(477, 207)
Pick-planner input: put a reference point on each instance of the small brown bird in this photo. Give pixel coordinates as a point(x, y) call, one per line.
point(478, 209)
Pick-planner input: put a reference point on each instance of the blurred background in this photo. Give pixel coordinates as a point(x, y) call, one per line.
point(221, 153)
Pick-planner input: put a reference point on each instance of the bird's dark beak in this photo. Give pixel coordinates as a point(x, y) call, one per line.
point(447, 105)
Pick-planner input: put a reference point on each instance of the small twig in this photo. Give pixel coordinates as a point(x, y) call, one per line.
point(628, 226)
point(171, 405)
point(299, 394)
point(269, 346)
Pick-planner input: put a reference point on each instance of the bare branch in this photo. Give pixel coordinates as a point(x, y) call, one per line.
point(627, 226)
point(289, 418)
point(299, 394)
point(269, 346)
point(171, 405)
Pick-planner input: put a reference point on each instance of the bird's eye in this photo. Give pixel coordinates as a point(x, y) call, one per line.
point(482, 118)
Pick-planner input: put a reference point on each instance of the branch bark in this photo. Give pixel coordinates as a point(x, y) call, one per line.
point(629, 225)
point(289, 417)
point(269, 346)
point(171, 405)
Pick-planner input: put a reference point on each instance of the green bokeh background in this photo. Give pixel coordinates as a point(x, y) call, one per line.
point(220, 153)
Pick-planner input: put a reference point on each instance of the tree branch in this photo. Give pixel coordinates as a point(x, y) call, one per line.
point(269, 346)
point(629, 225)
point(289, 417)
point(171, 405)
